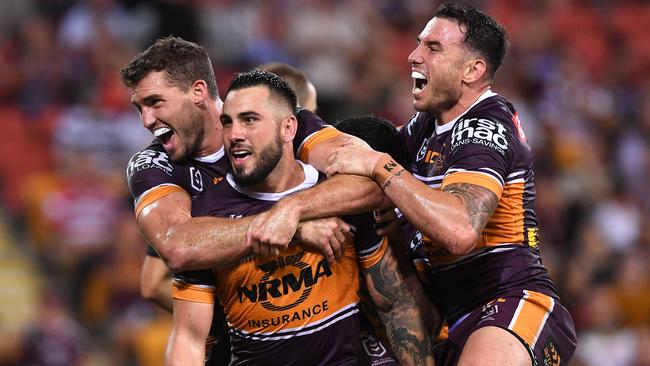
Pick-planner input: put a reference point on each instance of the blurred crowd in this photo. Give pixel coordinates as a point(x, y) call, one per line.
point(578, 71)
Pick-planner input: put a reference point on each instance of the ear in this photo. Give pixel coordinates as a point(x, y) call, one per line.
point(200, 92)
point(474, 70)
point(288, 128)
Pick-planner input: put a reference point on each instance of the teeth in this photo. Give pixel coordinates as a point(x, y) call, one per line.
point(417, 75)
point(161, 131)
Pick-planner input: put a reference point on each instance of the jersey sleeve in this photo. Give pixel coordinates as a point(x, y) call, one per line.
point(312, 130)
point(195, 286)
point(370, 247)
point(480, 153)
point(151, 175)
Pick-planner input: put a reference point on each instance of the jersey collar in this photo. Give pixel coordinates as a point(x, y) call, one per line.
point(440, 129)
point(311, 178)
point(212, 158)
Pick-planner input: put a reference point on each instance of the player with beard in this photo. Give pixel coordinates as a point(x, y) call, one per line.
point(174, 89)
point(290, 308)
point(469, 197)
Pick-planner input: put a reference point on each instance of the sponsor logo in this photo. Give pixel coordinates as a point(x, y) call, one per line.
point(196, 179)
point(490, 310)
point(286, 318)
point(290, 284)
point(551, 355)
point(520, 131)
point(373, 346)
point(149, 159)
point(479, 131)
point(216, 180)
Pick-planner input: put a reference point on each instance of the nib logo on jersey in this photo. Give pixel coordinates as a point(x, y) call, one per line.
point(149, 159)
point(288, 290)
point(479, 131)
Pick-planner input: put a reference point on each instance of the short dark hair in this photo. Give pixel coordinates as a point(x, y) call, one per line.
point(183, 63)
point(276, 86)
point(483, 34)
point(296, 79)
point(378, 132)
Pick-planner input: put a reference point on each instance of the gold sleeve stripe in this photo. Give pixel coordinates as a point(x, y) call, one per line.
point(192, 293)
point(530, 316)
point(476, 178)
point(376, 256)
point(315, 139)
point(153, 195)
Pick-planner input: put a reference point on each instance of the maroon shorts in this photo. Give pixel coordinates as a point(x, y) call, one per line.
point(539, 321)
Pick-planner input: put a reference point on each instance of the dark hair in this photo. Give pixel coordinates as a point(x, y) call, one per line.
point(277, 87)
point(483, 34)
point(296, 79)
point(378, 132)
point(182, 61)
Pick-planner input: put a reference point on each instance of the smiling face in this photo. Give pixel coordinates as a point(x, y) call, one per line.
point(252, 125)
point(171, 114)
point(437, 66)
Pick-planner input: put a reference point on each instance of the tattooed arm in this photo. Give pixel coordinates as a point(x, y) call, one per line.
point(398, 311)
point(453, 218)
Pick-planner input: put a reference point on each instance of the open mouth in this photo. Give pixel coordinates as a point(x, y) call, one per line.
point(419, 81)
point(164, 134)
point(238, 155)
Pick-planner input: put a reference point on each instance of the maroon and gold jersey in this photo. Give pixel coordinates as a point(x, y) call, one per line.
point(484, 146)
point(293, 308)
point(152, 174)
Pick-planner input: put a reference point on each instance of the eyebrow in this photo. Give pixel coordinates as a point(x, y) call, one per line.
point(242, 115)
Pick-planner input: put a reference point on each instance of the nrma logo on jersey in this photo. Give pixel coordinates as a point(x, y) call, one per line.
point(279, 293)
point(148, 159)
point(479, 131)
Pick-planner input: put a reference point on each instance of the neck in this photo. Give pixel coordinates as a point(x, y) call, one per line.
point(468, 98)
point(213, 138)
point(286, 175)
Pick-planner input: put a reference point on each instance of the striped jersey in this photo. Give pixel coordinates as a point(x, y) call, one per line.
point(484, 146)
point(289, 309)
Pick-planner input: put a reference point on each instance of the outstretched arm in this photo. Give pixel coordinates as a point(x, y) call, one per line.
point(190, 330)
point(399, 312)
point(453, 217)
point(186, 243)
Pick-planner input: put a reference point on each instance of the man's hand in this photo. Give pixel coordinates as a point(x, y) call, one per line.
point(326, 236)
point(353, 159)
point(272, 230)
point(386, 221)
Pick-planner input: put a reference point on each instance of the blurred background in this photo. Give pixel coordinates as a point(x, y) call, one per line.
point(578, 71)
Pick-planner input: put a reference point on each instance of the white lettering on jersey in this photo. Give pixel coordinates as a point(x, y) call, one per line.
point(479, 131)
point(148, 159)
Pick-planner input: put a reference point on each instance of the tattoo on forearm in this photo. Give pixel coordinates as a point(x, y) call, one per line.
point(405, 330)
point(480, 202)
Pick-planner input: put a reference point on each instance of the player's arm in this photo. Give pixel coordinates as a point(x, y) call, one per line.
point(156, 282)
point(454, 217)
point(191, 325)
point(397, 308)
point(184, 242)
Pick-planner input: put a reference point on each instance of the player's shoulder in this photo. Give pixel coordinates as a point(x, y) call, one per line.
point(495, 108)
point(152, 158)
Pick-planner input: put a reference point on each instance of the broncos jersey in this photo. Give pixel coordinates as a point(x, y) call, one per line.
point(289, 309)
point(484, 146)
point(152, 174)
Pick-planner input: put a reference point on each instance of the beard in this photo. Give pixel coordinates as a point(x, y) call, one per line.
point(269, 158)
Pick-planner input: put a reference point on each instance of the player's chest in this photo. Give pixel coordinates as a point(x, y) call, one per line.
point(432, 157)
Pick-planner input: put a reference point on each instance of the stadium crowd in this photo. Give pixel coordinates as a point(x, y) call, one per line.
point(578, 71)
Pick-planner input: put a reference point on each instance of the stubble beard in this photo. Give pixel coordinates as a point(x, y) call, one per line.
point(268, 159)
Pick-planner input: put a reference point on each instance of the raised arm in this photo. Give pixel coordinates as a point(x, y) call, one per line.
point(399, 312)
point(190, 330)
